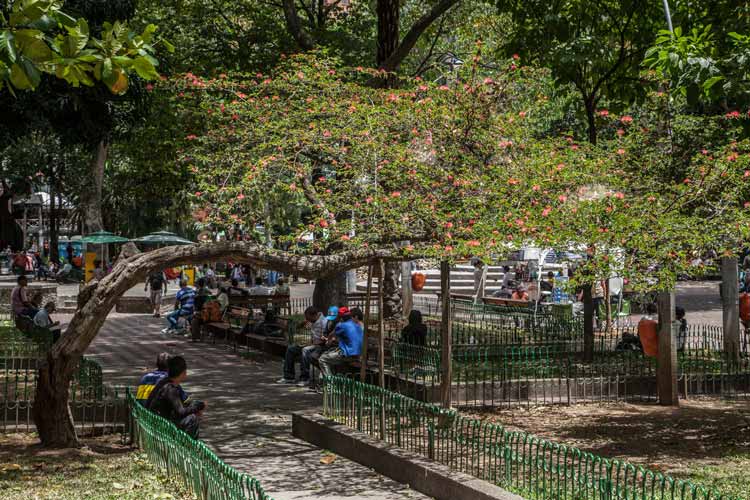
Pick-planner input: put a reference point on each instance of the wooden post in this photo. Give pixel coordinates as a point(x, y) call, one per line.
point(366, 340)
point(381, 347)
point(381, 333)
point(407, 301)
point(666, 367)
point(25, 227)
point(588, 324)
point(446, 334)
point(730, 306)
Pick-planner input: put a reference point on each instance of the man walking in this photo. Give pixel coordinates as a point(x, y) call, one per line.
point(158, 283)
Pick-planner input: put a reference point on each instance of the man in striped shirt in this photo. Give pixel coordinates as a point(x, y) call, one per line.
point(183, 306)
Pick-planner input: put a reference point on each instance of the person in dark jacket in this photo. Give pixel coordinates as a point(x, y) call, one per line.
point(166, 401)
point(415, 332)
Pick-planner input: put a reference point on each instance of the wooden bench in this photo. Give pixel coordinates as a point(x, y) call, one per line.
point(262, 302)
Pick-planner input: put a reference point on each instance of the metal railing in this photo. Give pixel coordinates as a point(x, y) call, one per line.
point(199, 469)
point(535, 468)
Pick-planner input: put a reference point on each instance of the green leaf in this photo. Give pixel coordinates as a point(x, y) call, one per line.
point(8, 46)
point(19, 78)
point(708, 84)
point(145, 69)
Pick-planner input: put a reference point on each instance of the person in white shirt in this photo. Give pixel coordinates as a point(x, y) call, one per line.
point(259, 289)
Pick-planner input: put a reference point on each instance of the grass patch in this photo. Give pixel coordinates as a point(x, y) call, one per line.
point(103, 469)
point(729, 477)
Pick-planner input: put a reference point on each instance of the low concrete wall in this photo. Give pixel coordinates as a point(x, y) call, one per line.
point(135, 304)
point(432, 479)
point(39, 292)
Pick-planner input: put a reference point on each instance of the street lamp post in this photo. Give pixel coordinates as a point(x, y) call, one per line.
point(668, 15)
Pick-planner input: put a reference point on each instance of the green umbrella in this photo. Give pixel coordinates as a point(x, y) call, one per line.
point(163, 238)
point(103, 237)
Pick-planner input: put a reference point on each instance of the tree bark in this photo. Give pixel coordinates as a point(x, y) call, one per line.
point(388, 12)
point(91, 198)
point(591, 118)
point(294, 26)
point(51, 412)
point(401, 51)
point(96, 300)
point(330, 291)
point(392, 306)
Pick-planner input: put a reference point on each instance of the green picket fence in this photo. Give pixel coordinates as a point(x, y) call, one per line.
point(203, 473)
point(535, 468)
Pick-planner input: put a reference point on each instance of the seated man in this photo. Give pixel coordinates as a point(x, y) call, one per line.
point(64, 271)
point(183, 307)
point(259, 289)
point(42, 320)
point(317, 324)
point(236, 290)
point(281, 288)
point(149, 380)
point(349, 334)
point(166, 399)
point(20, 302)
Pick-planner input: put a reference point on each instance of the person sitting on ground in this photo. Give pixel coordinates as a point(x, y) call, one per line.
point(317, 324)
point(415, 332)
point(166, 399)
point(20, 302)
point(281, 288)
point(236, 290)
point(149, 381)
point(520, 293)
point(259, 288)
point(158, 283)
point(183, 307)
point(349, 335)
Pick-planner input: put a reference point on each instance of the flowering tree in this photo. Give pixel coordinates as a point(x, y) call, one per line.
point(457, 171)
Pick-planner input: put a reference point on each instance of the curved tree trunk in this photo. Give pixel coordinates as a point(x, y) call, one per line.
point(51, 413)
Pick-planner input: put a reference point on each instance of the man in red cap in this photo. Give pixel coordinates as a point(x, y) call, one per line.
point(349, 334)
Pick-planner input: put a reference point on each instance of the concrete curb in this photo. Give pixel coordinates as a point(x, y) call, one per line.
point(427, 477)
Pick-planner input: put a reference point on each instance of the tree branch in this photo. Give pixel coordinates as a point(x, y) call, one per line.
point(412, 36)
point(294, 26)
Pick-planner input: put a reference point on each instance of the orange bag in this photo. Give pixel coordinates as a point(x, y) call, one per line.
point(211, 311)
point(418, 281)
point(648, 333)
point(745, 306)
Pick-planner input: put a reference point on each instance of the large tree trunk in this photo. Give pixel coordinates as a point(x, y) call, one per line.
point(51, 413)
point(294, 25)
point(96, 300)
point(392, 306)
point(91, 198)
point(330, 291)
point(388, 12)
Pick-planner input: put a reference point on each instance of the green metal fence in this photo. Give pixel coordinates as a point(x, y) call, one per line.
point(199, 469)
point(535, 468)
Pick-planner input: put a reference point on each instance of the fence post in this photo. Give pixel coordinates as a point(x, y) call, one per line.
point(381, 347)
point(431, 441)
point(366, 340)
point(666, 368)
point(730, 306)
point(446, 334)
point(588, 324)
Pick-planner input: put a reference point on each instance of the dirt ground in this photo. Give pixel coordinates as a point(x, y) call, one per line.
point(700, 434)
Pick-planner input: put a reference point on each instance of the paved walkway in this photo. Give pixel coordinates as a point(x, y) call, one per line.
point(248, 419)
